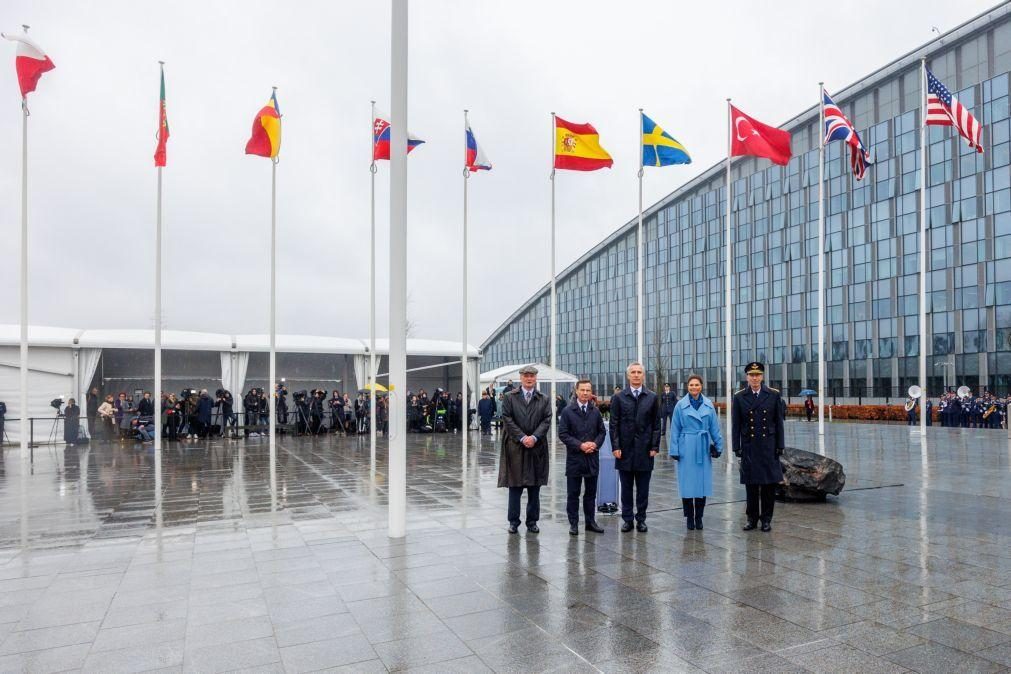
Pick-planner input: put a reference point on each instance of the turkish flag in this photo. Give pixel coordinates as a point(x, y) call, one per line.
point(749, 137)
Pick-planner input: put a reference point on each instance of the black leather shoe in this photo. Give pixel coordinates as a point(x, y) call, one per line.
point(641, 527)
point(750, 526)
point(594, 527)
point(574, 530)
point(766, 526)
point(698, 523)
point(691, 523)
point(533, 529)
point(626, 527)
point(513, 528)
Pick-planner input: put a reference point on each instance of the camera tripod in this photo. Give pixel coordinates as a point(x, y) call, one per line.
point(53, 434)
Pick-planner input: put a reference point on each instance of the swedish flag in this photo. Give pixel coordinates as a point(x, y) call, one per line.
point(659, 148)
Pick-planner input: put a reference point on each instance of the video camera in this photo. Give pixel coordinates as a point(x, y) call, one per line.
point(186, 393)
point(299, 396)
point(319, 392)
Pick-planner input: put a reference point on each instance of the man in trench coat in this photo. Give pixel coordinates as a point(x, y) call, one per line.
point(523, 461)
point(758, 441)
point(635, 442)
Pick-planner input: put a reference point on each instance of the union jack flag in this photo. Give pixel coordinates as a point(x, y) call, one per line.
point(943, 109)
point(837, 127)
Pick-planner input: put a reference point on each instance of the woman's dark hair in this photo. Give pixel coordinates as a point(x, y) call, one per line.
point(695, 376)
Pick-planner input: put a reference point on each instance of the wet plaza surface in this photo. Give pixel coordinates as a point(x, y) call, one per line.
point(908, 570)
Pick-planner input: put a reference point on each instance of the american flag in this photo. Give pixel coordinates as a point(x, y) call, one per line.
point(943, 109)
point(837, 127)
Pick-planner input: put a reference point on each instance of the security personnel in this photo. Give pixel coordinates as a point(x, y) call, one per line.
point(758, 442)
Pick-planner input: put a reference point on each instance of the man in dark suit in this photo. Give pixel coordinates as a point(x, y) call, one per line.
point(667, 402)
point(758, 441)
point(523, 461)
point(635, 442)
point(581, 430)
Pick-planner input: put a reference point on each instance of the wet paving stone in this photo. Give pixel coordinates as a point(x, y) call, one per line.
point(215, 563)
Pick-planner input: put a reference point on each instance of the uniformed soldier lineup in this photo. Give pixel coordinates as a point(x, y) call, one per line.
point(638, 419)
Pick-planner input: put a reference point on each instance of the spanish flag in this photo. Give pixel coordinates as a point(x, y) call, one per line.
point(577, 147)
point(266, 138)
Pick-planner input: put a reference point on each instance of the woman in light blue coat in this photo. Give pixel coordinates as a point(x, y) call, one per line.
point(694, 442)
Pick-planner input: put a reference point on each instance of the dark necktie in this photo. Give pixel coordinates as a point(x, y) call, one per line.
point(635, 394)
point(583, 407)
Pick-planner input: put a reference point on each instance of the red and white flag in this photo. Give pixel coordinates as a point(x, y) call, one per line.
point(751, 137)
point(30, 62)
point(943, 109)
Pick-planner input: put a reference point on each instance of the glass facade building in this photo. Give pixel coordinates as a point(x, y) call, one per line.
point(872, 256)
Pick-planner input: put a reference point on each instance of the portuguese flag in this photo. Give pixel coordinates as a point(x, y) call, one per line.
point(163, 132)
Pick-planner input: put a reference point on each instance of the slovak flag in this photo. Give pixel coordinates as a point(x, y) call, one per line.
point(476, 161)
point(381, 138)
point(30, 62)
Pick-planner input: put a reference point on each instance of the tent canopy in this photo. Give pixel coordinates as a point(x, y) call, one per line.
point(545, 374)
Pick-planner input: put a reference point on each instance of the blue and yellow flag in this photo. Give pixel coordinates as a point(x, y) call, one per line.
point(659, 148)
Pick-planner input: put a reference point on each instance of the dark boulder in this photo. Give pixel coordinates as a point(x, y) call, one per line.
point(808, 476)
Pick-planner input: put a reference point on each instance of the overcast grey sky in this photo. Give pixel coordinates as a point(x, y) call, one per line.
point(92, 181)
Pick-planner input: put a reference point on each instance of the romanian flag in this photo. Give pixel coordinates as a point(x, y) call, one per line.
point(266, 138)
point(659, 147)
point(163, 133)
point(577, 147)
point(30, 63)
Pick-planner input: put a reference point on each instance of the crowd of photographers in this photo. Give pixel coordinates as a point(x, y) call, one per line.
point(193, 414)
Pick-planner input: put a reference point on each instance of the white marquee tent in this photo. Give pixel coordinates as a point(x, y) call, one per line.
point(63, 361)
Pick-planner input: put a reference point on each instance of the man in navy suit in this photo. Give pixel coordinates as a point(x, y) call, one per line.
point(635, 442)
point(581, 430)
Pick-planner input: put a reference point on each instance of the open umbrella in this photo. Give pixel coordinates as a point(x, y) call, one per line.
point(368, 387)
point(808, 392)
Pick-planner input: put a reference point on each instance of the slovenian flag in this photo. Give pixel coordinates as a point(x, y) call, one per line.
point(30, 62)
point(476, 161)
point(266, 138)
point(381, 138)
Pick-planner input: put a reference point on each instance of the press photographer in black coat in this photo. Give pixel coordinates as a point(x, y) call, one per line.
point(635, 442)
point(581, 430)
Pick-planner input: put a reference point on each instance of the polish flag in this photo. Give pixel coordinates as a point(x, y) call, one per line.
point(30, 62)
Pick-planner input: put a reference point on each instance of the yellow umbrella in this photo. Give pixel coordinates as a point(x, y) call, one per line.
point(379, 388)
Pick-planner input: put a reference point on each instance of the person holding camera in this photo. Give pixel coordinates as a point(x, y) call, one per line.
point(281, 402)
point(251, 405)
point(172, 410)
point(107, 418)
point(224, 402)
point(758, 441)
point(316, 410)
point(71, 422)
point(336, 411)
point(695, 441)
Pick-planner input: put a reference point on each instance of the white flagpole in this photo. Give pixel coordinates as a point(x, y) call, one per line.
point(398, 271)
point(272, 375)
point(371, 379)
point(553, 326)
point(923, 244)
point(24, 424)
point(728, 311)
point(463, 359)
point(157, 311)
point(821, 259)
point(640, 275)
